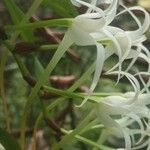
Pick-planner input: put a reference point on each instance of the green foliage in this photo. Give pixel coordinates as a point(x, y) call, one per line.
point(27, 79)
point(17, 15)
point(62, 8)
point(8, 141)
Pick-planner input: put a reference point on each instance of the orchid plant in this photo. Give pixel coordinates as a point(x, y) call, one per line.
point(94, 28)
point(124, 116)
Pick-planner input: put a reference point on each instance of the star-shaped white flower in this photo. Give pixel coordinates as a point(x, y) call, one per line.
point(128, 115)
point(93, 28)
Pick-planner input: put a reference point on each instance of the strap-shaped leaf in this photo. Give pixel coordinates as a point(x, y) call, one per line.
point(17, 15)
point(63, 8)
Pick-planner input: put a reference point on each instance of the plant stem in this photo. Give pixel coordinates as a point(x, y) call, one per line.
point(22, 67)
point(30, 12)
point(40, 117)
point(64, 45)
point(66, 22)
point(68, 138)
point(4, 60)
point(87, 141)
point(66, 93)
point(50, 46)
point(58, 101)
point(2, 91)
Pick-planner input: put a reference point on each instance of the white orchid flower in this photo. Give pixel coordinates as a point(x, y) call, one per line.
point(87, 29)
point(93, 28)
point(135, 38)
point(128, 39)
point(127, 115)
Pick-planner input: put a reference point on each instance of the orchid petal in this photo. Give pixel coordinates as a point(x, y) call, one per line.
point(93, 2)
point(79, 2)
point(117, 47)
point(132, 80)
point(144, 84)
point(146, 23)
point(109, 123)
point(141, 145)
point(126, 49)
point(137, 119)
point(111, 11)
point(133, 54)
point(127, 140)
point(80, 32)
point(99, 65)
point(148, 83)
point(113, 125)
point(131, 13)
point(76, 3)
point(98, 69)
point(137, 33)
point(109, 50)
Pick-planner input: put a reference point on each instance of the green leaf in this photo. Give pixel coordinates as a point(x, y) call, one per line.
point(63, 8)
point(17, 15)
point(39, 68)
point(8, 141)
point(64, 22)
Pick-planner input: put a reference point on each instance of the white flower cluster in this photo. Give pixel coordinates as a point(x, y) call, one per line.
point(94, 28)
point(128, 116)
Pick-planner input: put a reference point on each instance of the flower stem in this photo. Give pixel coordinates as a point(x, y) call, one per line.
point(58, 101)
point(2, 89)
point(49, 46)
point(68, 138)
point(66, 22)
point(87, 141)
point(64, 45)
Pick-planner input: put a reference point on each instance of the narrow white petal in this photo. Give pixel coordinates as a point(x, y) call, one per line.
point(127, 140)
point(118, 48)
point(111, 11)
point(144, 144)
point(74, 2)
point(93, 2)
point(93, 7)
point(98, 69)
point(138, 120)
point(133, 81)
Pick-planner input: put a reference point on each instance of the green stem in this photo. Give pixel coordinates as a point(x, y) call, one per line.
point(64, 93)
point(87, 141)
point(2, 91)
point(100, 139)
point(43, 109)
point(66, 22)
point(40, 117)
point(49, 46)
point(64, 45)
point(22, 67)
point(79, 82)
point(69, 94)
point(89, 126)
point(30, 12)
point(68, 138)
